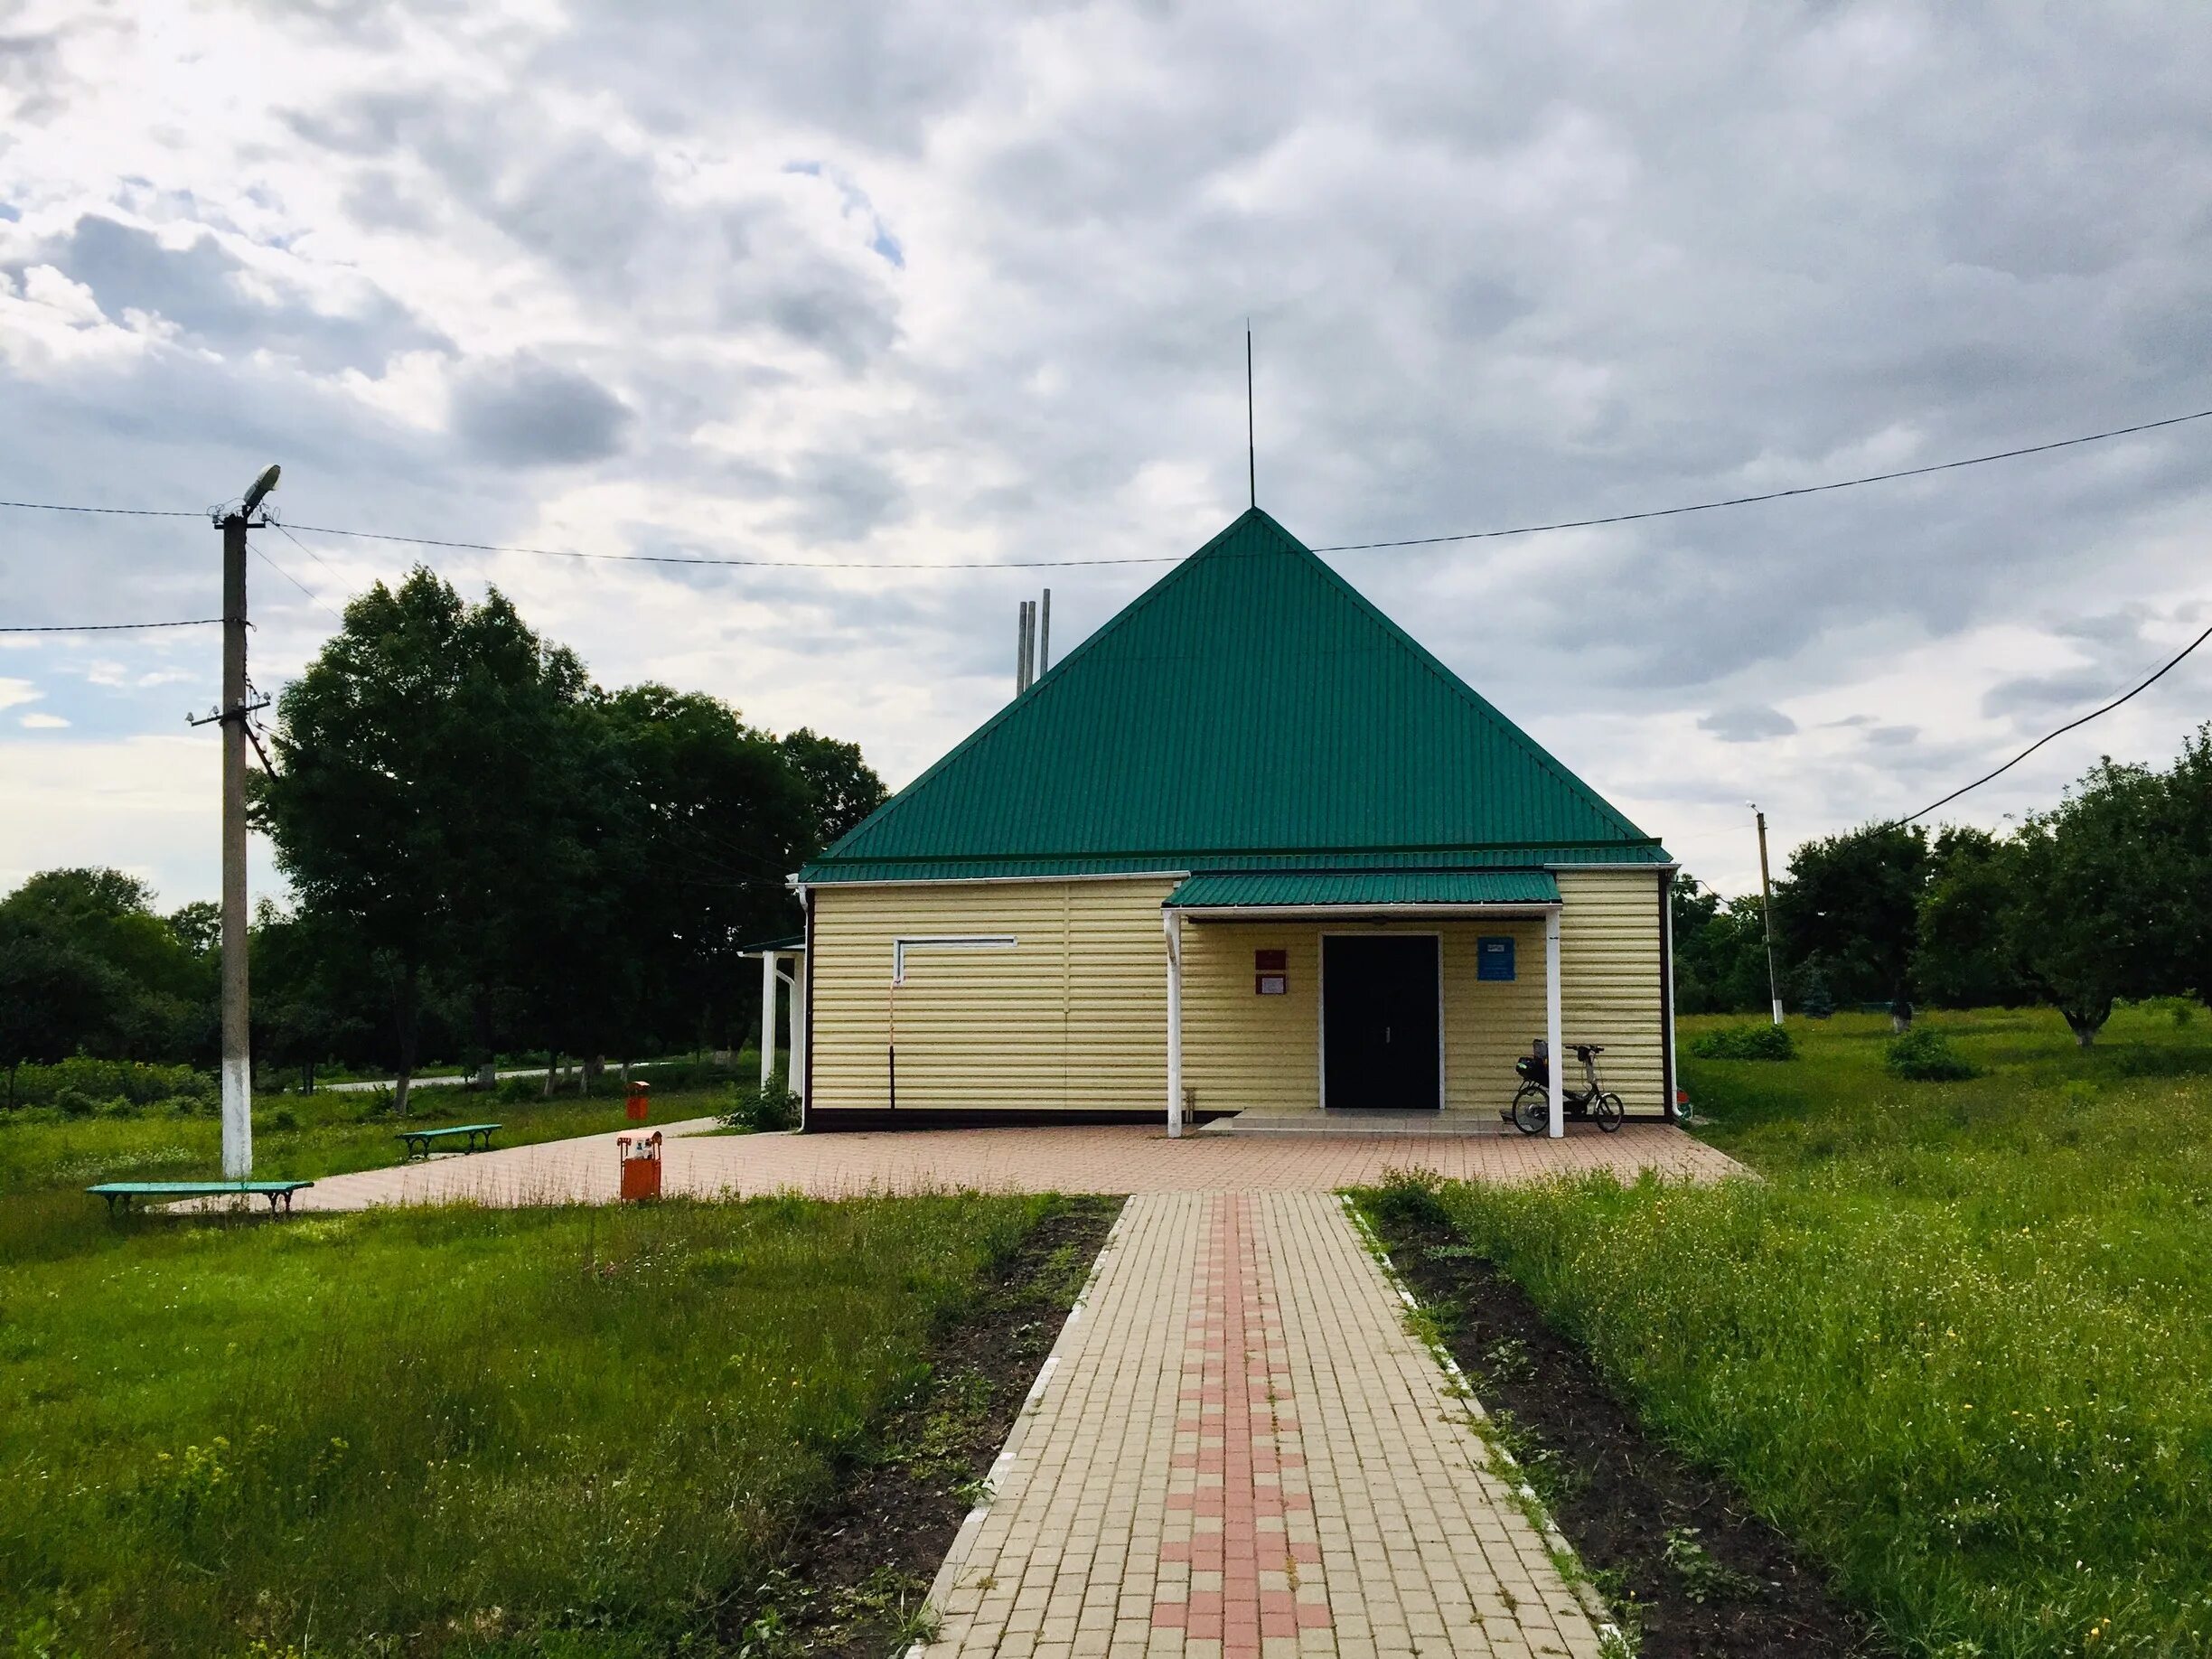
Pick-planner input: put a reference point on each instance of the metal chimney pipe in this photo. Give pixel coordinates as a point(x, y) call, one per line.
point(1021, 642)
point(1044, 650)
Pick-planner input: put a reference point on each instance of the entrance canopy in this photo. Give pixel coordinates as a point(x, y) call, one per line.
point(1253, 895)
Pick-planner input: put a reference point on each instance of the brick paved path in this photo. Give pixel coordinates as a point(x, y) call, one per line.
point(1237, 1451)
point(1112, 1158)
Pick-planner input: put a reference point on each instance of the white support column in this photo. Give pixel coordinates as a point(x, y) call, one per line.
point(799, 1023)
point(768, 1015)
point(1551, 1022)
point(1171, 922)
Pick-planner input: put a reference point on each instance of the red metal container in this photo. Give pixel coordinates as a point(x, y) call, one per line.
point(640, 1166)
point(638, 1103)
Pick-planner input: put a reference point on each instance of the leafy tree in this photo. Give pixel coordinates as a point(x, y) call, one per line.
point(427, 775)
point(56, 996)
point(1720, 950)
point(197, 926)
point(1853, 900)
point(844, 788)
point(1964, 960)
point(161, 996)
point(718, 817)
point(2098, 899)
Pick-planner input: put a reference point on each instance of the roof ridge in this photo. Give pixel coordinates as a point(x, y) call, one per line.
point(1112, 625)
point(1443, 671)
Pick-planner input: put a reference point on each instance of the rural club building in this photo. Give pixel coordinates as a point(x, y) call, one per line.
point(1248, 847)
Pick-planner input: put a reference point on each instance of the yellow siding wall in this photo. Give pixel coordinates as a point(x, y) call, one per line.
point(1610, 990)
point(1487, 1025)
point(1244, 1051)
point(1241, 1050)
point(1074, 1016)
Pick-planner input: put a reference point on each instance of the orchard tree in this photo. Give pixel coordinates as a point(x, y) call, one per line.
point(2097, 900)
point(1853, 901)
point(1965, 958)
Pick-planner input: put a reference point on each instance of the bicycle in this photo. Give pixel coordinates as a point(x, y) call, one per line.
point(1531, 1111)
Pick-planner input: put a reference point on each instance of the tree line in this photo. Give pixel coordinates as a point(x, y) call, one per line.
point(2105, 897)
point(486, 851)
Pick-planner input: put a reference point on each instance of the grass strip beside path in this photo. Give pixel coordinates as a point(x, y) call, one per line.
point(1959, 1341)
point(578, 1431)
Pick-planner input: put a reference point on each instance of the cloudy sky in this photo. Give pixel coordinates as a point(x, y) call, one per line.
point(920, 283)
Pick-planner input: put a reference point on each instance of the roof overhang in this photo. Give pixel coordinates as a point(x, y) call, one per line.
point(1383, 895)
point(794, 946)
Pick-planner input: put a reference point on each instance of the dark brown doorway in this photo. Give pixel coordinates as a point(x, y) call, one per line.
point(1379, 1030)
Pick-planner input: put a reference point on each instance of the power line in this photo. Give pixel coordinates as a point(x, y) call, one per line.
point(123, 512)
point(1770, 495)
point(750, 564)
point(115, 627)
point(1346, 546)
point(313, 596)
point(2062, 731)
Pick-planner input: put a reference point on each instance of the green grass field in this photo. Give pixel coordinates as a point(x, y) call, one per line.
point(566, 1431)
point(47, 1158)
point(1958, 1341)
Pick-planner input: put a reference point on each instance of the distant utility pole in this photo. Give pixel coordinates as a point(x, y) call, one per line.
point(237, 1051)
point(1774, 985)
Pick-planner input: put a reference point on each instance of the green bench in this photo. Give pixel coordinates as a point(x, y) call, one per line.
point(121, 1194)
point(474, 1134)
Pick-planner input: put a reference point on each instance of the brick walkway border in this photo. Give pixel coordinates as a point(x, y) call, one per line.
point(1238, 1450)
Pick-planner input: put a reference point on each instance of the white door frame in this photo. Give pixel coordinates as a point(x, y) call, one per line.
point(1321, 994)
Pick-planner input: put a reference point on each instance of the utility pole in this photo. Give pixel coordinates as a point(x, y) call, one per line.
point(1774, 985)
point(236, 1050)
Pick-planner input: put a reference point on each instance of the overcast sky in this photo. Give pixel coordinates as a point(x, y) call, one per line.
point(956, 283)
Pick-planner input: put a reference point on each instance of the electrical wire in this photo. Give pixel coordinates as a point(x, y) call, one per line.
point(1770, 495)
point(316, 597)
point(114, 627)
point(1053, 563)
point(2071, 725)
point(121, 512)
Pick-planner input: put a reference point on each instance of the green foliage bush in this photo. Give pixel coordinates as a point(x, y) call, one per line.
point(1767, 1042)
point(1924, 1054)
point(134, 1081)
point(761, 1110)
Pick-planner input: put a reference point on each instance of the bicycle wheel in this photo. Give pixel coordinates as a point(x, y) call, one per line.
point(1532, 1109)
point(1608, 1111)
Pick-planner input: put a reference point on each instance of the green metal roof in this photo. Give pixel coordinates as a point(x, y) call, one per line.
point(1343, 889)
point(1249, 705)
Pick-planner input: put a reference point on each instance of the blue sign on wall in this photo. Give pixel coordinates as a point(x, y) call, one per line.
point(1494, 959)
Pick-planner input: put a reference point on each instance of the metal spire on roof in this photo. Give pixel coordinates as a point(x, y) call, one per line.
point(1251, 451)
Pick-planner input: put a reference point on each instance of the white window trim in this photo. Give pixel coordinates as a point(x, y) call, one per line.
point(943, 941)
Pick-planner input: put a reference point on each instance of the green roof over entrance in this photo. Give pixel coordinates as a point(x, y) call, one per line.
point(1249, 710)
point(1360, 889)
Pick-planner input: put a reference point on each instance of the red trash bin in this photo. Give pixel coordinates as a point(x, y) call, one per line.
point(640, 1166)
point(637, 1105)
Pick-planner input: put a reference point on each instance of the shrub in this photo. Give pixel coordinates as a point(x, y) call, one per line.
point(1924, 1054)
point(73, 1103)
point(1744, 1043)
point(134, 1081)
point(760, 1109)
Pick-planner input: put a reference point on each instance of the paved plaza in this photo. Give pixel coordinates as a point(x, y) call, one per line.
point(1112, 1158)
